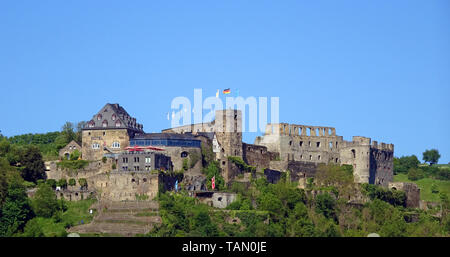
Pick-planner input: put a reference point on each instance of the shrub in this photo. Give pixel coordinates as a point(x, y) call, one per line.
point(72, 182)
point(415, 174)
point(75, 155)
point(104, 159)
point(51, 183)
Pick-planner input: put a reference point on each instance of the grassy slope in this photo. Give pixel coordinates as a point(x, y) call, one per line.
point(76, 212)
point(425, 187)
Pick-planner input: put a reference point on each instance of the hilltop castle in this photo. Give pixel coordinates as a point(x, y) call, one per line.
point(122, 157)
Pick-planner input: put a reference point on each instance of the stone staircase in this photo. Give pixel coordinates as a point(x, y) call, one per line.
point(121, 218)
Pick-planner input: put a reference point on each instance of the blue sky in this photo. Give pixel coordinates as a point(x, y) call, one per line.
point(372, 68)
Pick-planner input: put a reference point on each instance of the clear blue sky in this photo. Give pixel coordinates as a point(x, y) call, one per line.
point(372, 68)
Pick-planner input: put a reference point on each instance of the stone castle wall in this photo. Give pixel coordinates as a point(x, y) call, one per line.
point(103, 137)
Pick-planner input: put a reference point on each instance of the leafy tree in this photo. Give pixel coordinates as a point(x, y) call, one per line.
point(213, 170)
point(75, 155)
point(62, 183)
point(68, 132)
point(44, 202)
point(72, 182)
point(51, 182)
point(16, 210)
point(431, 156)
point(415, 174)
point(33, 167)
point(404, 163)
point(325, 204)
point(82, 182)
point(33, 229)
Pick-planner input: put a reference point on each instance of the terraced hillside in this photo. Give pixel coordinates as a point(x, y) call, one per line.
point(121, 219)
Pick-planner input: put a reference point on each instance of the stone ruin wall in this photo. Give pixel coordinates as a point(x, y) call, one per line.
point(124, 186)
point(372, 162)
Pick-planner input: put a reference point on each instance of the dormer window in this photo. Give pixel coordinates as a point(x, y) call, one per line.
point(91, 124)
point(105, 123)
point(99, 117)
point(118, 123)
point(113, 117)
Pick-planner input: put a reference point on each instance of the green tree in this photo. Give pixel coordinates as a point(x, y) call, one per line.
point(62, 183)
point(72, 182)
point(75, 155)
point(32, 165)
point(431, 156)
point(415, 174)
point(51, 182)
point(33, 229)
point(44, 202)
point(404, 163)
point(326, 204)
point(16, 210)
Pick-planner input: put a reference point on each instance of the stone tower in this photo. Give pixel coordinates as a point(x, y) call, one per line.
point(228, 130)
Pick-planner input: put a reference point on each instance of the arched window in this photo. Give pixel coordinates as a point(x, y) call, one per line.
point(115, 145)
point(113, 117)
point(91, 124)
point(118, 123)
point(99, 117)
point(105, 123)
point(184, 154)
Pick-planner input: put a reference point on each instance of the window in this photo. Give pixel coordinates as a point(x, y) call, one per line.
point(318, 157)
point(301, 143)
point(113, 117)
point(148, 160)
point(105, 123)
point(115, 145)
point(310, 157)
point(318, 144)
point(354, 153)
point(95, 146)
point(91, 124)
point(125, 160)
point(125, 168)
point(309, 143)
point(184, 154)
point(118, 124)
point(99, 117)
point(136, 159)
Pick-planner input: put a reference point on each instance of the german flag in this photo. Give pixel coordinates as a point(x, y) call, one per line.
point(227, 91)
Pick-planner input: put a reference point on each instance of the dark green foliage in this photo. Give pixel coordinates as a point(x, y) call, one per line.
point(431, 156)
point(75, 155)
point(325, 204)
point(33, 229)
point(241, 164)
point(72, 182)
point(415, 174)
point(16, 209)
point(62, 183)
point(394, 197)
point(213, 170)
point(44, 202)
point(404, 163)
point(32, 165)
point(51, 183)
point(83, 183)
point(104, 159)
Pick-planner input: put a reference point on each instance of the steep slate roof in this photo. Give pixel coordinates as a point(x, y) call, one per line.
point(113, 116)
